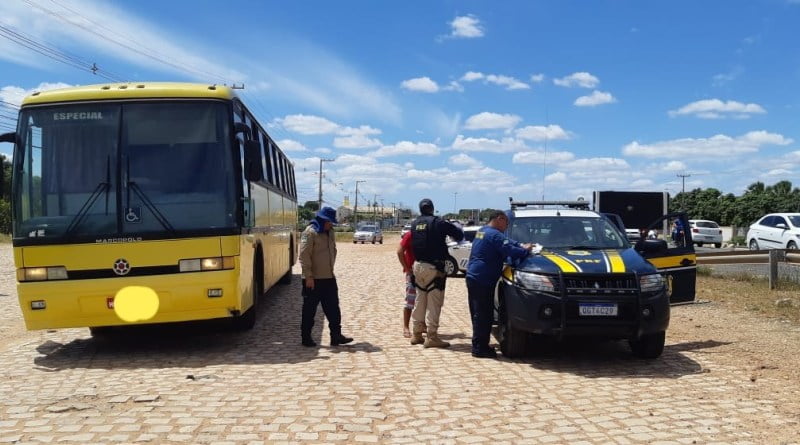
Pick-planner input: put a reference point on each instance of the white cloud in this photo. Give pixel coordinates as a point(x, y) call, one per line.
point(487, 120)
point(674, 166)
point(593, 165)
point(291, 145)
point(356, 141)
point(594, 99)
point(407, 148)
point(357, 137)
point(422, 84)
point(470, 76)
point(717, 146)
point(538, 157)
point(14, 94)
point(464, 160)
point(716, 109)
point(304, 124)
point(579, 79)
point(541, 133)
point(557, 177)
point(537, 78)
point(467, 26)
point(454, 86)
point(509, 82)
point(506, 145)
point(779, 172)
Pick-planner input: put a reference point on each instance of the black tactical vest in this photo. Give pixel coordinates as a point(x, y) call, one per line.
point(426, 240)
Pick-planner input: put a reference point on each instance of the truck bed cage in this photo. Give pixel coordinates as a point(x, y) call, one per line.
point(580, 205)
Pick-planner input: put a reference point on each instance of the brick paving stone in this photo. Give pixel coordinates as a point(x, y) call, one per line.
point(263, 387)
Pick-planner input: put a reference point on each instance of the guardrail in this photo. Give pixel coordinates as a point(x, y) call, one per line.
point(771, 257)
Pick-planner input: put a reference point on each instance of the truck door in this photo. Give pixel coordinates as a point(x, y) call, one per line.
point(673, 255)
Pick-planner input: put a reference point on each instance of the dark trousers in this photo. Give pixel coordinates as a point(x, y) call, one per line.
point(326, 292)
point(481, 310)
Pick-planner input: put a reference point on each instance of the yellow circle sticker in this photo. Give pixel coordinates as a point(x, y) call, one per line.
point(136, 303)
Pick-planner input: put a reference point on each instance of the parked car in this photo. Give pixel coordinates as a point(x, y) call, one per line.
point(459, 252)
point(406, 228)
point(775, 231)
point(368, 233)
point(704, 231)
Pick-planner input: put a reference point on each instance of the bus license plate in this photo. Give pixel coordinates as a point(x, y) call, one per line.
point(597, 310)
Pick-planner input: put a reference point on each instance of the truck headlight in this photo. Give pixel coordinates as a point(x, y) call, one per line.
point(651, 283)
point(534, 281)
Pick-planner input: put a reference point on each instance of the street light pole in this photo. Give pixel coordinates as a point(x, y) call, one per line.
point(355, 209)
point(455, 195)
point(320, 180)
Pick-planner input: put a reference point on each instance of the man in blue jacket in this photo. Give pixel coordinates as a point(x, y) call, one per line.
point(489, 250)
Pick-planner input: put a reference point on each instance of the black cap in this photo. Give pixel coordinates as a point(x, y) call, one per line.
point(426, 206)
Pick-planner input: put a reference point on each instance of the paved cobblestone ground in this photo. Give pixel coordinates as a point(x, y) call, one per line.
point(200, 385)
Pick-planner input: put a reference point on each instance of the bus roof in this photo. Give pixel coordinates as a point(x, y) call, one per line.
point(132, 90)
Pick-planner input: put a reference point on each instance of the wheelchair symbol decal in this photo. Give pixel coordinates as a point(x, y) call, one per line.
point(133, 215)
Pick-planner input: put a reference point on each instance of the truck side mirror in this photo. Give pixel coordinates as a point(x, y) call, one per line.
point(254, 171)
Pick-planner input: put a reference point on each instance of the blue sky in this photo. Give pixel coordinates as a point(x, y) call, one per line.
point(465, 102)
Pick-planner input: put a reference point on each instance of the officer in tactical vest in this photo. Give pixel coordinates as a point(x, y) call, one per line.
point(428, 241)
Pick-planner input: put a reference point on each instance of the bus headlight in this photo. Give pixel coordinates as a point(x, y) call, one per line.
point(534, 281)
point(203, 264)
point(41, 273)
point(651, 283)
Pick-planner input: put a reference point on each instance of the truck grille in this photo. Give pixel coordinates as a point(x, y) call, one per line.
point(600, 285)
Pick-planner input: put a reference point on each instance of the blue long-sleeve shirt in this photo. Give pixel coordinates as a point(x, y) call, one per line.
point(489, 249)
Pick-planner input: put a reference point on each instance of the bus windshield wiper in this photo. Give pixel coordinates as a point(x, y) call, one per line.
point(101, 188)
point(147, 202)
point(150, 206)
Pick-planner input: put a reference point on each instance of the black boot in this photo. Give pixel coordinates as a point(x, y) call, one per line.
point(340, 339)
point(308, 341)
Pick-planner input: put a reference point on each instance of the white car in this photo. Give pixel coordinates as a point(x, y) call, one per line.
point(705, 232)
point(406, 229)
point(775, 231)
point(459, 252)
point(368, 233)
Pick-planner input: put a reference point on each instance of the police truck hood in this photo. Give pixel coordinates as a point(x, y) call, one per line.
point(589, 261)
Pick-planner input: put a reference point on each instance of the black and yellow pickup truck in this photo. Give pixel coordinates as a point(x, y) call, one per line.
point(584, 278)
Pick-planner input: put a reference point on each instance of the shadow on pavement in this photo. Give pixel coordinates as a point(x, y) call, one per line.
point(613, 359)
point(274, 339)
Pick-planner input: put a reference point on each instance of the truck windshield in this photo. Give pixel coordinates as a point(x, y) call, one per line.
point(107, 170)
point(568, 232)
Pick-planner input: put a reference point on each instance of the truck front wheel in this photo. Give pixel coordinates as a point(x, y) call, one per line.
point(648, 346)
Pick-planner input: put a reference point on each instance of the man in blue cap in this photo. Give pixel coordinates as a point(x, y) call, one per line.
point(317, 257)
point(489, 250)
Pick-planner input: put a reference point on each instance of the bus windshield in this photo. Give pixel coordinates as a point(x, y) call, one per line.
point(109, 170)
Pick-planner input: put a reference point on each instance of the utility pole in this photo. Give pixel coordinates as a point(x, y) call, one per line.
point(374, 207)
point(355, 209)
point(320, 179)
point(683, 186)
point(455, 195)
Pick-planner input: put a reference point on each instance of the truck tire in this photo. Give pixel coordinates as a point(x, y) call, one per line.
point(648, 346)
point(513, 342)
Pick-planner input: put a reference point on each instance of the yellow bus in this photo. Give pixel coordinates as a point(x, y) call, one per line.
point(147, 203)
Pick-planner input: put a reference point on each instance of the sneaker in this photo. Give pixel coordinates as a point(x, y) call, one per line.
point(309, 342)
point(485, 353)
point(340, 340)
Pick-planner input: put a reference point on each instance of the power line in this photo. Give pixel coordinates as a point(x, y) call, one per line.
point(52, 52)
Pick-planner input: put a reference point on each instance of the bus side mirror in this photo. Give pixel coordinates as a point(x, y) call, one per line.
point(8, 137)
point(254, 171)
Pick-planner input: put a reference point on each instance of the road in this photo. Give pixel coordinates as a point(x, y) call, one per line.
point(202, 385)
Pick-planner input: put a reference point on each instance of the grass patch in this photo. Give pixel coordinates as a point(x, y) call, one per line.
point(5, 238)
point(746, 293)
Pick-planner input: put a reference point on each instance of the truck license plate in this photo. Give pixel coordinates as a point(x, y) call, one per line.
point(597, 309)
